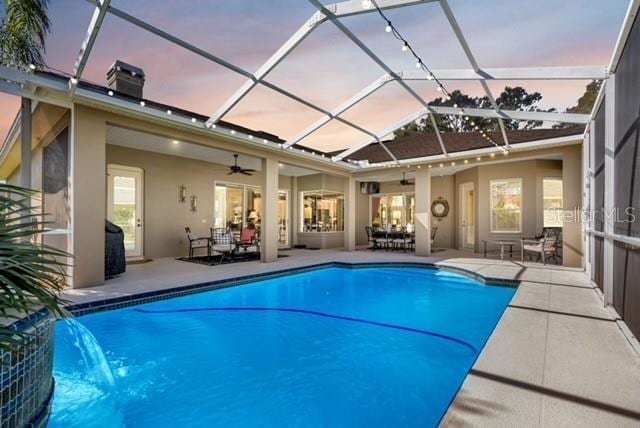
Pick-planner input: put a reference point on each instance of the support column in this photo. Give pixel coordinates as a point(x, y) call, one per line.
point(88, 195)
point(350, 214)
point(25, 144)
point(423, 214)
point(572, 254)
point(294, 221)
point(269, 215)
point(609, 186)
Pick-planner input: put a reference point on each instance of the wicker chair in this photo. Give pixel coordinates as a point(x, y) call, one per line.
point(223, 242)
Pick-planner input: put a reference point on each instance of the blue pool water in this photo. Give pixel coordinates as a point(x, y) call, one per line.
point(330, 347)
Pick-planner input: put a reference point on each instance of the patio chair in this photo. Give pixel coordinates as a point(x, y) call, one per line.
point(377, 243)
point(196, 242)
point(223, 242)
point(401, 240)
point(248, 242)
point(542, 248)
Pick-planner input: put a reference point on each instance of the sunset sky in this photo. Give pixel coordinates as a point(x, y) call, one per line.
point(327, 68)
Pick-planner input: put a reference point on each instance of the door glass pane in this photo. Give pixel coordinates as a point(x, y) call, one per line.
point(396, 211)
point(469, 214)
point(283, 220)
point(228, 207)
point(254, 205)
point(124, 208)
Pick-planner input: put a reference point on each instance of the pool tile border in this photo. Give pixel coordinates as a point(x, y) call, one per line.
point(112, 303)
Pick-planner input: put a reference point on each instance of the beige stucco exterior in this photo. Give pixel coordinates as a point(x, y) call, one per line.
point(165, 218)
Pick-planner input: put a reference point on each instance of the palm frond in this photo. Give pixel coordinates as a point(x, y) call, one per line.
point(32, 275)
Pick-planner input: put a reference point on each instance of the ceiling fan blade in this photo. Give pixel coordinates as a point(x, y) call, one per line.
point(248, 169)
point(230, 173)
point(245, 172)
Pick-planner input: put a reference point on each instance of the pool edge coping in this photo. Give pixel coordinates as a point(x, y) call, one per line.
point(112, 303)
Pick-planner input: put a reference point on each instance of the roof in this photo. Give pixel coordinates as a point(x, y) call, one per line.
point(420, 144)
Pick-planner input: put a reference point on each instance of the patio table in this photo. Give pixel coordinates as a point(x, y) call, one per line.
point(503, 244)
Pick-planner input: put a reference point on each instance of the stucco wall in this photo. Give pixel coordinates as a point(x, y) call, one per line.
point(164, 217)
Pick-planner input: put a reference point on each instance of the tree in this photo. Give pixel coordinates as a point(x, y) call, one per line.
point(22, 37)
point(516, 98)
point(585, 102)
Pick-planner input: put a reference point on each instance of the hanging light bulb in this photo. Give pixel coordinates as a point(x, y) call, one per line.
point(419, 64)
point(366, 4)
point(405, 47)
point(430, 76)
point(439, 88)
point(388, 27)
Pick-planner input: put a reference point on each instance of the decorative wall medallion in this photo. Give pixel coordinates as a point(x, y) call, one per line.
point(440, 208)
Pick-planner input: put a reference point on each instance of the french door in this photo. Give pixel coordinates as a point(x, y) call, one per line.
point(125, 206)
point(467, 216)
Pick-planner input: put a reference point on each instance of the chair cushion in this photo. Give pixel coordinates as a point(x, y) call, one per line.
point(536, 248)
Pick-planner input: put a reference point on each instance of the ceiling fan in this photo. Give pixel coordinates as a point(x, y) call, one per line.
point(236, 169)
point(404, 181)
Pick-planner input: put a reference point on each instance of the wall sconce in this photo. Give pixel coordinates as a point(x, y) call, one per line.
point(194, 203)
point(182, 194)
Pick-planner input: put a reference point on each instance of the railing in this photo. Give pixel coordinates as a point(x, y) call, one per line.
point(629, 240)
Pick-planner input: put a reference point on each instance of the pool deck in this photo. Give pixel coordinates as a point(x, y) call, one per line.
point(558, 357)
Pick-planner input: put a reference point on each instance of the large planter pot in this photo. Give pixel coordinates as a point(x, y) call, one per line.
point(26, 374)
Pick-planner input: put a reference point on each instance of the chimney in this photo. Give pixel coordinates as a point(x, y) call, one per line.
point(126, 78)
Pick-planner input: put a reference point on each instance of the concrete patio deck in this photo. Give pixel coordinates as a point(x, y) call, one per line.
point(557, 358)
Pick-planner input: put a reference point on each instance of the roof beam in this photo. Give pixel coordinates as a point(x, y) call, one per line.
point(334, 19)
point(343, 9)
point(474, 64)
point(524, 73)
point(303, 32)
point(370, 89)
point(102, 6)
point(487, 113)
point(581, 119)
point(413, 117)
point(252, 80)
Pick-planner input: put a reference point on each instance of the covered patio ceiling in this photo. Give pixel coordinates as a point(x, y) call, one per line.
point(371, 136)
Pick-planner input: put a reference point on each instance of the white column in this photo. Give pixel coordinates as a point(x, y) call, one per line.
point(88, 195)
point(350, 214)
point(609, 187)
point(294, 221)
point(269, 215)
point(25, 146)
point(423, 214)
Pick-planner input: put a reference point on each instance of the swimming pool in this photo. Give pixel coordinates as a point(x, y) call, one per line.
point(329, 347)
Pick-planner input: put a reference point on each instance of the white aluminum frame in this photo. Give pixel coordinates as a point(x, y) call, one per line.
point(334, 13)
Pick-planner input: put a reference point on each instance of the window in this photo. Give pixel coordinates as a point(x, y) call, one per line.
point(55, 181)
point(506, 206)
point(552, 202)
point(393, 210)
point(322, 212)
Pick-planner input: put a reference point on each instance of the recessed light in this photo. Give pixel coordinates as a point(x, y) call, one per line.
point(193, 119)
point(142, 103)
point(233, 132)
point(110, 93)
point(175, 142)
point(169, 112)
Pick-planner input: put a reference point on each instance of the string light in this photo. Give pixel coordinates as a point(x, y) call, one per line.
point(406, 47)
